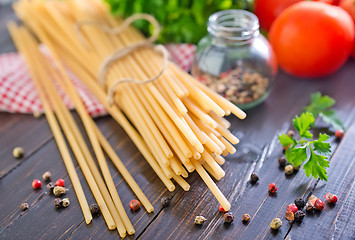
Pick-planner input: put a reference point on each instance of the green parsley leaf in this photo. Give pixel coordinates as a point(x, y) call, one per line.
point(296, 155)
point(320, 146)
point(316, 166)
point(286, 140)
point(321, 106)
point(303, 124)
point(299, 151)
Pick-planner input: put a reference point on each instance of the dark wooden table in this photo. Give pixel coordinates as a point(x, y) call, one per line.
point(257, 152)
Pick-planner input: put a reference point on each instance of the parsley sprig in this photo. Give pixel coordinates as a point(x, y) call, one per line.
point(321, 106)
point(307, 149)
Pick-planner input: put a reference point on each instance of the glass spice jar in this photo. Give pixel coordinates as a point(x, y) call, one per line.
point(235, 60)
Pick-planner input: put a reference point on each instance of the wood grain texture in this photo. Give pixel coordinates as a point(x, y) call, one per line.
point(257, 152)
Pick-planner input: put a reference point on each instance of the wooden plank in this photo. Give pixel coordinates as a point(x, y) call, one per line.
point(337, 220)
point(262, 126)
point(20, 131)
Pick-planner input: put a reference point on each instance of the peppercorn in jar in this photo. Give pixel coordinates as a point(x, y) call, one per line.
point(235, 60)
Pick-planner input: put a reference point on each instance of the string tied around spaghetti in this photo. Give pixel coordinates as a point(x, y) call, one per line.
point(121, 52)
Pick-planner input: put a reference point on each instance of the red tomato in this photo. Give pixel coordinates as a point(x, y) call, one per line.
point(268, 10)
point(332, 2)
point(312, 39)
point(349, 6)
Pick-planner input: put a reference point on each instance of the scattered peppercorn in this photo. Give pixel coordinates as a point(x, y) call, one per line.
point(60, 182)
point(36, 184)
point(272, 188)
point(288, 169)
point(292, 208)
point(254, 178)
point(228, 217)
point(50, 187)
point(276, 223)
point(331, 198)
point(339, 133)
point(309, 206)
point(57, 202)
point(18, 152)
point(245, 217)
point(165, 202)
point(313, 199)
point(289, 216)
point(58, 191)
point(95, 210)
point(65, 202)
point(47, 176)
point(299, 215)
point(296, 168)
point(220, 208)
point(282, 161)
point(300, 203)
point(290, 133)
point(37, 114)
point(319, 204)
point(24, 206)
point(134, 205)
point(199, 220)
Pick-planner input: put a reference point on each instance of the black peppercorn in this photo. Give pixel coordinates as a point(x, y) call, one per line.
point(57, 202)
point(299, 215)
point(282, 161)
point(50, 187)
point(24, 206)
point(228, 217)
point(95, 210)
point(165, 202)
point(300, 203)
point(254, 178)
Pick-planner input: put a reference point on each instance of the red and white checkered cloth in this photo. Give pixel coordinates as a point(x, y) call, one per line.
point(18, 93)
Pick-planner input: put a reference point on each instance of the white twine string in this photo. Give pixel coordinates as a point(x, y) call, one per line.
point(120, 53)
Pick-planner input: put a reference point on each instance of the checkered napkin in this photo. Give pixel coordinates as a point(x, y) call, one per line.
point(18, 93)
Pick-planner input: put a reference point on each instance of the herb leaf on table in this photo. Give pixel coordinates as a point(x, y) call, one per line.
point(321, 106)
point(315, 150)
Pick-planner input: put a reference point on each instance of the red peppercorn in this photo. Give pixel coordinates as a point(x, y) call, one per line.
point(331, 198)
point(319, 204)
point(272, 188)
point(134, 205)
point(60, 182)
point(221, 209)
point(292, 208)
point(36, 184)
point(339, 133)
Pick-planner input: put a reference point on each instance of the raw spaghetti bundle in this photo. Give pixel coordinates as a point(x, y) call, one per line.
point(175, 121)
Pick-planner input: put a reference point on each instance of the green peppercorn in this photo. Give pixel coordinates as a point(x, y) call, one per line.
point(65, 202)
point(58, 191)
point(18, 152)
point(47, 176)
point(288, 169)
point(199, 220)
point(276, 223)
